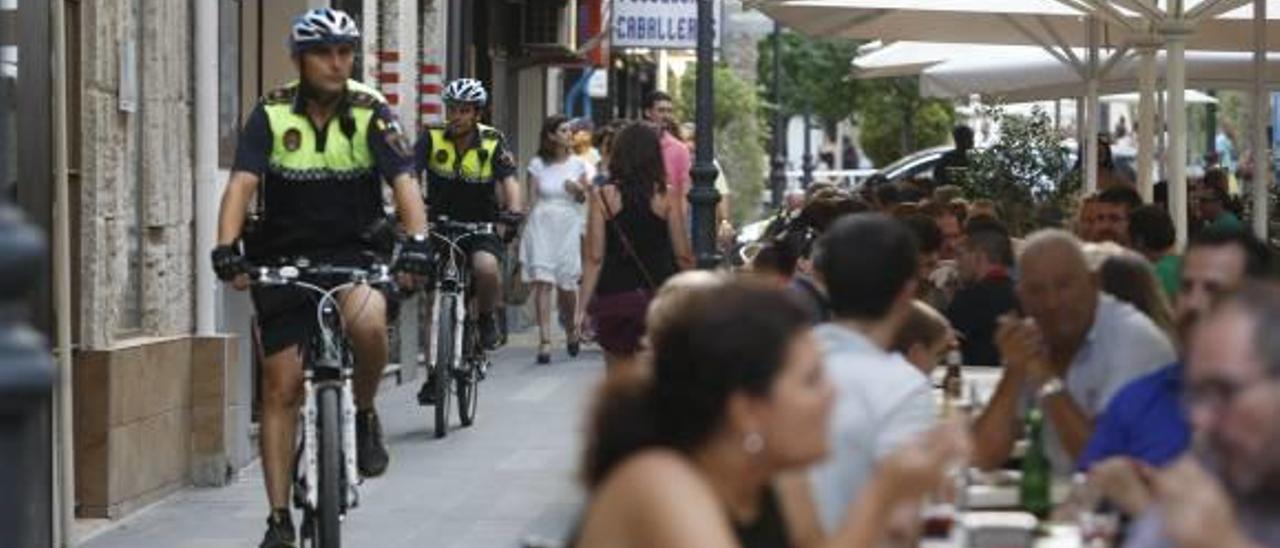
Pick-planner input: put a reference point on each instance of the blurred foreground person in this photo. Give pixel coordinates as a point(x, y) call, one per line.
point(1226, 494)
point(699, 454)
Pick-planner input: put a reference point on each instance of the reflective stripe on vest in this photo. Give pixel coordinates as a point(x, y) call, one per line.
point(294, 156)
point(476, 165)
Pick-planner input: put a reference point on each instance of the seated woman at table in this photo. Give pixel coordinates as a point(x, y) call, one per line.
point(705, 453)
point(925, 338)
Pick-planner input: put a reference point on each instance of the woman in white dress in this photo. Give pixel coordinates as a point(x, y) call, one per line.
point(551, 250)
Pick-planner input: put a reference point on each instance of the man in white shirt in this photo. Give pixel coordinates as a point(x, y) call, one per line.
point(1075, 349)
point(868, 263)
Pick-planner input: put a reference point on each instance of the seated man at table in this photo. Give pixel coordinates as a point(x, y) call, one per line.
point(1073, 351)
point(1146, 420)
point(985, 261)
point(1226, 493)
point(869, 264)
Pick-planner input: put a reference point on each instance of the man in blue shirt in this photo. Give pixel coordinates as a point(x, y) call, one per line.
point(1146, 421)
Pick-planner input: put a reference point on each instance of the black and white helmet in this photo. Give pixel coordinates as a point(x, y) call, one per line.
point(466, 91)
point(322, 26)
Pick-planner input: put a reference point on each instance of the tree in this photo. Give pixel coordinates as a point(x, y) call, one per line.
point(897, 121)
point(815, 77)
point(1027, 171)
point(739, 137)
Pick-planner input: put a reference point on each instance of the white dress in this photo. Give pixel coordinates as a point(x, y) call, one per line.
point(551, 248)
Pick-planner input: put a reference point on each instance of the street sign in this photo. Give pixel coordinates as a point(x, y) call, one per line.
point(598, 85)
point(660, 24)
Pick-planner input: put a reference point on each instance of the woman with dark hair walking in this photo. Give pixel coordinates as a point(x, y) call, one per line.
point(636, 239)
point(551, 251)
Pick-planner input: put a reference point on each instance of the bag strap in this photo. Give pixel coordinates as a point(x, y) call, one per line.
point(626, 243)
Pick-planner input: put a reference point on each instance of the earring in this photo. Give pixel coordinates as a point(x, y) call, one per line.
point(753, 443)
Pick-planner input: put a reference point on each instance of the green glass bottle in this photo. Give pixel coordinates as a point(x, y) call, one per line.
point(1033, 491)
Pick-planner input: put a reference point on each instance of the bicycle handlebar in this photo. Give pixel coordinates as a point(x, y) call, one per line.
point(294, 274)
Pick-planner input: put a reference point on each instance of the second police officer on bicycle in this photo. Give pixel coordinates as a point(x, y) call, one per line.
point(316, 153)
point(470, 177)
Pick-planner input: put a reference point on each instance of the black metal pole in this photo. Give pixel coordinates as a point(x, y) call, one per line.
point(26, 388)
point(704, 196)
point(808, 149)
point(778, 165)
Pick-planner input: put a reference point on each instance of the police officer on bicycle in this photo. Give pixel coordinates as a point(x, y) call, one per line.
point(470, 176)
point(316, 153)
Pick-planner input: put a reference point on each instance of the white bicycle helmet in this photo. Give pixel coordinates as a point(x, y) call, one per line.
point(467, 91)
point(322, 26)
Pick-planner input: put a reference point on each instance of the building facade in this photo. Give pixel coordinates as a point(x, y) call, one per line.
point(162, 400)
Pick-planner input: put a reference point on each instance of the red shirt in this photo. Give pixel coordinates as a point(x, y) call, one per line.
point(677, 161)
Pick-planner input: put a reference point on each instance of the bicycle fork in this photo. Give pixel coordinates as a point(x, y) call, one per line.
point(459, 309)
point(309, 473)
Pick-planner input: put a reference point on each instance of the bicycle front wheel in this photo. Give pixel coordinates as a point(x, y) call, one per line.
point(468, 380)
point(446, 323)
point(327, 522)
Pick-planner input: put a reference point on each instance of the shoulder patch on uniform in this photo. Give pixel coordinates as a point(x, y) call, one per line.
point(363, 99)
point(284, 94)
point(363, 95)
point(490, 133)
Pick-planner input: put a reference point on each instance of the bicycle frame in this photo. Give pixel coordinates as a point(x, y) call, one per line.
point(453, 277)
point(327, 360)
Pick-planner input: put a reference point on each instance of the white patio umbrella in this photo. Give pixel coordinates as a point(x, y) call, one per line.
point(1058, 26)
point(1028, 73)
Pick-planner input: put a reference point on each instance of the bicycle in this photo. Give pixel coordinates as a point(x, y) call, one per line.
point(455, 338)
point(325, 473)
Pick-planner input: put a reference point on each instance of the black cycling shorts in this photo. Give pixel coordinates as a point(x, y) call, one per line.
point(286, 315)
point(488, 243)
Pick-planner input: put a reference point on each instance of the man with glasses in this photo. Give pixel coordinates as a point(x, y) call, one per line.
point(1226, 493)
point(1145, 421)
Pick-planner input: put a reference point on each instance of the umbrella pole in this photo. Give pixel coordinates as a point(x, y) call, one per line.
point(1147, 120)
point(1261, 155)
point(1091, 111)
point(1175, 34)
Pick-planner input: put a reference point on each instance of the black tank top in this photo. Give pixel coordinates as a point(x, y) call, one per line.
point(652, 243)
point(769, 530)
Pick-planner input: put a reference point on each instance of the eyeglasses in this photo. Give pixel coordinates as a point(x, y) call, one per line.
point(1218, 394)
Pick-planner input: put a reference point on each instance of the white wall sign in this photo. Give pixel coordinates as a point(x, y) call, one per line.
point(661, 24)
point(598, 85)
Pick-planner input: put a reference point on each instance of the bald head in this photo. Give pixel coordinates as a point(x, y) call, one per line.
point(1056, 288)
point(1053, 247)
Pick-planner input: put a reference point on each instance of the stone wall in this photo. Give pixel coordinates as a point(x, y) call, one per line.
point(139, 159)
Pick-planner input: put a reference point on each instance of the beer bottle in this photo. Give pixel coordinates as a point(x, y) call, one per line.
point(1033, 491)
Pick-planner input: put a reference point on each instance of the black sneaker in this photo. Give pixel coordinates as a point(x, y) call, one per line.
point(371, 454)
point(280, 531)
point(489, 332)
point(427, 394)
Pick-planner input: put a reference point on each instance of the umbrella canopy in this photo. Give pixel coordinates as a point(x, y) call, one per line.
point(1029, 73)
point(1010, 22)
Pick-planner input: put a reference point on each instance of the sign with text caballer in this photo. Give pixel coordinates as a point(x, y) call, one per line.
point(661, 24)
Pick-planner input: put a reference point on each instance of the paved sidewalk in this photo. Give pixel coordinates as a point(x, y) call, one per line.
point(509, 476)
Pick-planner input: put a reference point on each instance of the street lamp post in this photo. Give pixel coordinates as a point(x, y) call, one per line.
point(704, 196)
point(26, 386)
point(778, 164)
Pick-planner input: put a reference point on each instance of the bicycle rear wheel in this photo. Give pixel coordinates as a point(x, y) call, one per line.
point(328, 517)
point(446, 322)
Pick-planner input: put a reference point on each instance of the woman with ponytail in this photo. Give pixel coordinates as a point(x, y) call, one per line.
point(703, 452)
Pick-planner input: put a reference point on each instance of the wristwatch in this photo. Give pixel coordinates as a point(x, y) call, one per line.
point(1052, 387)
